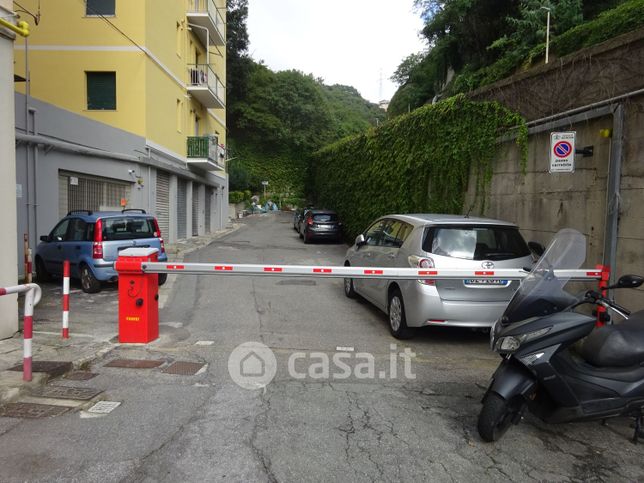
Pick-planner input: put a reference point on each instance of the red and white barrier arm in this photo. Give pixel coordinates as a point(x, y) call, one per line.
point(32, 297)
point(346, 272)
point(66, 272)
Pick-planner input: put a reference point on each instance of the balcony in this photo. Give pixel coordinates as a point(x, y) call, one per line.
point(205, 86)
point(205, 153)
point(205, 14)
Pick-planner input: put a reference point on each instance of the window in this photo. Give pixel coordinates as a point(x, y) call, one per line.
point(94, 8)
point(179, 39)
point(77, 230)
point(101, 91)
point(325, 217)
point(374, 233)
point(128, 228)
point(60, 232)
point(395, 233)
point(179, 115)
point(476, 242)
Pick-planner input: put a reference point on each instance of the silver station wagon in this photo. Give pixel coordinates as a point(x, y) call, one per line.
point(438, 241)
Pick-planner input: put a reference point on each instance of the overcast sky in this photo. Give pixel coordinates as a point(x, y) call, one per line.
point(347, 42)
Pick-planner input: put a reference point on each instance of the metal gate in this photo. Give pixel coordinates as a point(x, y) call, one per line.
point(182, 211)
point(82, 192)
point(208, 209)
point(163, 202)
point(195, 209)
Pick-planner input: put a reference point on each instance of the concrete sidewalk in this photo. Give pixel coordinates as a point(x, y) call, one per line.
point(93, 324)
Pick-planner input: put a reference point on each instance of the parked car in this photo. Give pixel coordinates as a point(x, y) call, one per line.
point(91, 242)
point(438, 241)
point(320, 224)
point(297, 216)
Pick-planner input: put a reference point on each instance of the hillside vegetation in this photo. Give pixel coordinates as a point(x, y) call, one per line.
point(477, 42)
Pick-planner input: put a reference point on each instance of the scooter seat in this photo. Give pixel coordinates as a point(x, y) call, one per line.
point(618, 345)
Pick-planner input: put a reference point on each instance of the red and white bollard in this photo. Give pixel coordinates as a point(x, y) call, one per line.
point(32, 297)
point(66, 299)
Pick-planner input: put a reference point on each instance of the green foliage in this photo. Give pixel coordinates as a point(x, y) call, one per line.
point(420, 162)
point(235, 197)
point(484, 41)
point(283, 118)
point(611, 23)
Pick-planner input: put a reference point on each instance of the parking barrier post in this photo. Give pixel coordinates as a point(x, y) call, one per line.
point(32, 297)
point(66, 276)
point(602, 315)
point(138, 296)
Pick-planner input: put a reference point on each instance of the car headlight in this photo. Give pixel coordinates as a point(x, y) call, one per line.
point(511, 343)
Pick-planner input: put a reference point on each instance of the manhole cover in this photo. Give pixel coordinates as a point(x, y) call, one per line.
point(64, 392)
point(80, 376)
point(184, 368)
point(104, 407)
point(31, 410)
point(53, 368)
point(297, 281)
point(134, 363)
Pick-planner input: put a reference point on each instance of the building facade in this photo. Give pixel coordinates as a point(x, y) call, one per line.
point(124, 107)
point(9, 254)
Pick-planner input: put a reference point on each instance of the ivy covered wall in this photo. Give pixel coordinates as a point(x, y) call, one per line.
point(416, 163)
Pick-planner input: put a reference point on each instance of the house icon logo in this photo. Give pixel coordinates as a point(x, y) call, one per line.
point(252, 365)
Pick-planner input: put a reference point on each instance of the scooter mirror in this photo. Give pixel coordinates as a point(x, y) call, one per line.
point(628, 281)
point(536, 248)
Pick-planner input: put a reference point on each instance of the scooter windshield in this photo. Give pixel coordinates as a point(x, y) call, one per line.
point(541, 292)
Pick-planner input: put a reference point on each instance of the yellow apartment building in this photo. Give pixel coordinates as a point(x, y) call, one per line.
point(122, 104)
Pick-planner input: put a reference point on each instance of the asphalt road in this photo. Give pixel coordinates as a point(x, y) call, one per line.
point(305, 425)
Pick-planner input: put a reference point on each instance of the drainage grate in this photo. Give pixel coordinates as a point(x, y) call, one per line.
point(65, 392)
point(134, 363)
point(31, 410)
point(80, 376)
point(184, 368)
point(53, 368)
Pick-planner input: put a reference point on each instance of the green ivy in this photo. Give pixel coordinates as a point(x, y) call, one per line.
point(419, 162)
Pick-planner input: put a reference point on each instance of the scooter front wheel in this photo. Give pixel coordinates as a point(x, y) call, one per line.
point(496, 417)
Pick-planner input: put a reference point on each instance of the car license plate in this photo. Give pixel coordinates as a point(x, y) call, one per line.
point(485, 282)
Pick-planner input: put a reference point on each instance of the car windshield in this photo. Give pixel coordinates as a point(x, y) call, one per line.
point(322, 217)
point(127, 228)
point(541, 292)
point(473, 242)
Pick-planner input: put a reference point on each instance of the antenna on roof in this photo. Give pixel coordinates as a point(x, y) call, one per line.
point(467, 215)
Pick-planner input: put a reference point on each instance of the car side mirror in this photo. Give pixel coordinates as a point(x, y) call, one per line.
point(360, 240)
point(628, 281)
point(536, 248)
point(44, 238)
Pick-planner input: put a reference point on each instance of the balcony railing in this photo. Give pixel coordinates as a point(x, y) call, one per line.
point(200, 76)
point(206, 14)
point(204, 152)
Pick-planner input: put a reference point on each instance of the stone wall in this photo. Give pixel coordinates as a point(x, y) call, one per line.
point(542, 203)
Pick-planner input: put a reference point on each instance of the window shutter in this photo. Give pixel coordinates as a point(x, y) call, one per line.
point(101, 90)
point(100, 7)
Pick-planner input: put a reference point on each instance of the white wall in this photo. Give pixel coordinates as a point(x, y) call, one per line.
point(8, 233)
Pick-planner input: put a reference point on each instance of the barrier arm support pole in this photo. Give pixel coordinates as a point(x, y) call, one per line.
point(66, 299)
point(32, 297)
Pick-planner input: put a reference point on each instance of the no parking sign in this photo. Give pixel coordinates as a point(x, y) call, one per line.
point(562, 152)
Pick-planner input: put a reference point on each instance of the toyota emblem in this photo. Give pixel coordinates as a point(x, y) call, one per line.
point(487, 265)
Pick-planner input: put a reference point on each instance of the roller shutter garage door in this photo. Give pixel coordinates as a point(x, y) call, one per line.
point(163, 202)
point(182, 212)
point(195, 209)
point(82, 192)
point(208, 208)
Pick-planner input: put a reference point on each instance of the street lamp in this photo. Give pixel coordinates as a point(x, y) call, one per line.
point(547, 32)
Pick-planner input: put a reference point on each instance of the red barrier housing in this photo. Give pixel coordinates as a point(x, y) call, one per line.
point(138, 296)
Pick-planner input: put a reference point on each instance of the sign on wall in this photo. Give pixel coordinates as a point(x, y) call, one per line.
point(562, 152)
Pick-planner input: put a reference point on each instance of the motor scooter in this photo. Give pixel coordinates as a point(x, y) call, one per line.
point(546, 369)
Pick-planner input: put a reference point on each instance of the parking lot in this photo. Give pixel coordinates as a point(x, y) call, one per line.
point(308, 424)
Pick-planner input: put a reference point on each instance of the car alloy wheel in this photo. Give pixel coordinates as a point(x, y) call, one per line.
point(89, 283)
point(395, 313)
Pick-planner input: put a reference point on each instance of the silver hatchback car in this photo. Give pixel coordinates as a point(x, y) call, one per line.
point(438, 241)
